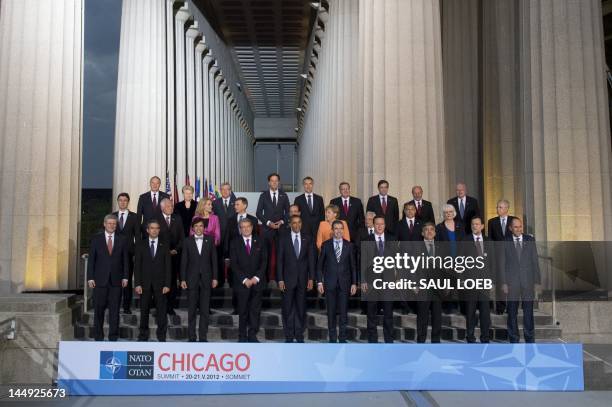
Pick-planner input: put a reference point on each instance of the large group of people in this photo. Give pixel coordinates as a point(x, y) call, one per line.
point(309, 249)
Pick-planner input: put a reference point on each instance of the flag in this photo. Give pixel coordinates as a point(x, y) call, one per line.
point(211, 191)
point(175, 193)
point(187, 180)
point(197, 189)
point(205, 190)
point(217, 194)
point(168, 182)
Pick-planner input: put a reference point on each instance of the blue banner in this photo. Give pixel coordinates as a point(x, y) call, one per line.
point(129, 368)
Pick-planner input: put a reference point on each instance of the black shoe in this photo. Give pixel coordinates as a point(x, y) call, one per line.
point(203, 340)
point(300, 341)
point(389, 341)
point(161, 339)
point(171, 312)
point(127, 312)
point(254, 340)
point(333, 341)
point(372, 340)
point(242, 340)
point(112, 339)
point(142, 339)
point(99, 339)
point(288, 340)
point(342, 341)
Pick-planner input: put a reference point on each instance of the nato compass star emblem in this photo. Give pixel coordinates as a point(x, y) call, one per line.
point(113, 365)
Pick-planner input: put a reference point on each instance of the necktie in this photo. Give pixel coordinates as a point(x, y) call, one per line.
point(121, 221)
point(152, 248)
point(503, 223)
point(154, 201)
point(518, 247)
point(274, 199)
point(338, 251)
point(384, 204)
point(345, 206)
point(381, 247)
point(109, 245)
point(296, 246)
point(371, 232)
point(461, 208)
point(168, 220)
point(479, 246)
point(410, 225)
point(430, 249)
point(310, 202)
point(419, 207)
point(239, 219)
point(248, 246)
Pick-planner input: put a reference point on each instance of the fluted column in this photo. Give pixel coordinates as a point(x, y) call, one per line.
point(206, 106)
point(403, 111)
point(191, 35)
point(566, 123)
point(140, 123)
point(181, 18)
point(213, 123)
point(460, 42)
point(218, 163)
point(40, 144)
point(199, 112)
point(170, 142)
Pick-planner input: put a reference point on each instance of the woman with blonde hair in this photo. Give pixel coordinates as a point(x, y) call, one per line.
point(186, 208)
point(325, 231)
point(212, 227)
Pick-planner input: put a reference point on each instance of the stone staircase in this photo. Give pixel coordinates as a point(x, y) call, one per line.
point(223, 326)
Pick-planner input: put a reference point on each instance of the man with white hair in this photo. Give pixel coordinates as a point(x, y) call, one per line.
point(466, 207)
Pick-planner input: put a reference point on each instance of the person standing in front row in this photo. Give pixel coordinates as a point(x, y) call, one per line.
point(296, 262)
point(152, 275)
point(107, 273)
point(128, 227)
point(337, 277)
point(198, 276)
point(248, 257)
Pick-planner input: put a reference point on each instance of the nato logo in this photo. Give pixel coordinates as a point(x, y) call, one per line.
point(126, 365)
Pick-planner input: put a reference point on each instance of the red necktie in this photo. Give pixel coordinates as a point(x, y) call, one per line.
point(345, 206)
point(384, 204)
point(109, 245)
point(154, 200)
point(248, 246)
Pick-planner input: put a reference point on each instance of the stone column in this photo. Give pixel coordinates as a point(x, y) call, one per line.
point(200, 49)
point(213, 123)
point(170, 142)
point(140, 124)
point(218, 128)
point(403, 109)
point(41, 46)
point(206, 106)
point(182, 15)
point(191, 36)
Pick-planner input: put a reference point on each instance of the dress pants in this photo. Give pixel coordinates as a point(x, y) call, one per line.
point(172, 296)
point(129, 289)
point(424, 309)
point(373, 307)
point(249, 311)
point(161, 317)
point(337, 303)
point(481, 302)
point(106, 297)
point(293, 305)
point(198, 297)
point(528, 324)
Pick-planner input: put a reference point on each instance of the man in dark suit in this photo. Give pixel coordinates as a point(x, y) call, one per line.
point(272, 212)
point(474, 245)
point(311, 207)
point(499, 230)
point(465, 206)
point(107, 273)
point(223, 207)
point(128, 227)
point(296, 273)
point(365, 232)
point(424, 209)
point(337, 277)
point(429, 300)
point(385, 205)
point(152, 275)
point(172, 234)
point(148, 205)
point(520, 281)
point(198, 276)
point(351, 210)
point(249, 257)
point(409, 228)
point(382, 244)
point(285, 229)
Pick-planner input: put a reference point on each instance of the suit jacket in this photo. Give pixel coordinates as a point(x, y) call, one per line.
point(310, 219)
point(440, 250)
point(233, 232)
point(108, 269)
point(245, 265)
point(520, 274)
point(426, 214)
point(442, 232)
point(145, 211)
point(195, 266)
point(174, 235)
point(186, 214)
point(354, 218)
point(471, 209)
point(266, 211)
point(152, 271)
point(369, 249)
point(332, 273)
point(467, 247)
point(392, 214)
point(224, 215)
point(213, 229)
point(295, 270)
point(326, 232)
point(130, 230)
point(495, 230)
point(403, 231)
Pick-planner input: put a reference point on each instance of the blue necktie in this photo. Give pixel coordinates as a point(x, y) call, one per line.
point(381, 247)
point(338, 252)
point(152, 248)
point(296, 246)
point(461, 208)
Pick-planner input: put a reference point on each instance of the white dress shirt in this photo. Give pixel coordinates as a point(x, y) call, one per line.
point(154, 245)
point(199, 241)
